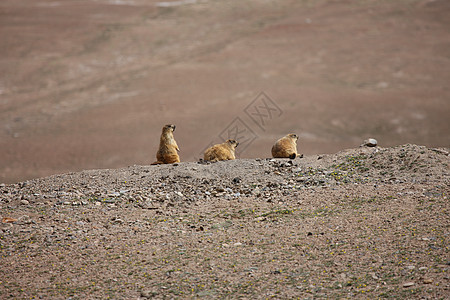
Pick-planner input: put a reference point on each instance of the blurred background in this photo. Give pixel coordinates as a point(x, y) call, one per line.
point(88, 84)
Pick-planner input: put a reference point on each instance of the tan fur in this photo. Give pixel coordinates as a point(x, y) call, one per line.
point(168, 148)
point(224, 151)
point(286, 147)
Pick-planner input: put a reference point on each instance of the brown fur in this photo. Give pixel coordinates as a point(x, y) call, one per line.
point(286, 147)
point(224, 151)
point(168, 148)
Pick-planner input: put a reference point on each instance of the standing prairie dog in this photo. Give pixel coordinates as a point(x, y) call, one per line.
point(224, 151)
point(286, 147)
point(168, 148)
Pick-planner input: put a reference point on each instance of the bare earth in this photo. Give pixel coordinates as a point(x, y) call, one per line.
point(89, 84)
point(364, 223)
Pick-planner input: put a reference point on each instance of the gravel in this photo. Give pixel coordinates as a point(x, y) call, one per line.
point(369, 222)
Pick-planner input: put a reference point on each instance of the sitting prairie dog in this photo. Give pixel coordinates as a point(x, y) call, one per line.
point(168, 148)
point(286, 147)
point(224, 151)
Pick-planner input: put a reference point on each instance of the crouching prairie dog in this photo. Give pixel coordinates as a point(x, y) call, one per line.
point(224, 151)
point(286, 147)
point(168, 148)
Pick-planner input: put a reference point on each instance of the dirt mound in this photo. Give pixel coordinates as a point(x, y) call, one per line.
point(365, 222)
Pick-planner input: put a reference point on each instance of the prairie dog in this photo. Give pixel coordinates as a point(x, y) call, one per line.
point(168, 148)
point(286, 147)
point(224, 151)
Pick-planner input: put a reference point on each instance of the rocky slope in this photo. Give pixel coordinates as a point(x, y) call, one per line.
point(365, 223)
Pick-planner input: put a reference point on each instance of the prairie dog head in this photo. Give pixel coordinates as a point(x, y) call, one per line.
point(233, 144)
point(293, 136)
point(168, 128)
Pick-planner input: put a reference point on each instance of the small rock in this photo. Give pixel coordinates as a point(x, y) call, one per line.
point(24, 202)
point(423, 268)
point(370, 143)
point(8, 220)
point(148, 294)
point(427, 280)
point(25, 220)
point(237, 244)
point(408, 284)
point(237, 180)
point(410, 267)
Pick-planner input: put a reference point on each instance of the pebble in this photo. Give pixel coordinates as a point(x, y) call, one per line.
point(408, 284)
point(370, 142)
point(24, 202)
point(148, 294)
point(427, 280)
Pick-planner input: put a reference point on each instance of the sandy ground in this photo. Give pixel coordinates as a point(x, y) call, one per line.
point(364, 223)
point(89, 84)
